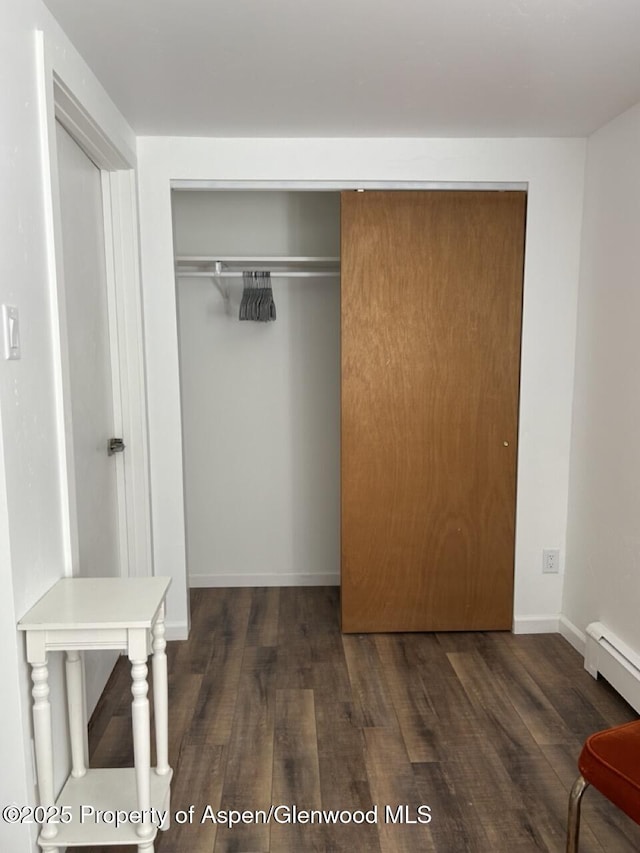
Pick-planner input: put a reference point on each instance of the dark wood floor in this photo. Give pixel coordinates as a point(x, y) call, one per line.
point(270, 704)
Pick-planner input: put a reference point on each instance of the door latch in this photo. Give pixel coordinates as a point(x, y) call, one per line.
point(115, 445)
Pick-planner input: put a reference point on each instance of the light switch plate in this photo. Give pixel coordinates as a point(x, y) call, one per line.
point(11, 332)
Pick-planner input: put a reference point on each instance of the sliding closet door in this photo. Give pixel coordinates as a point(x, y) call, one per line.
point(431, 320)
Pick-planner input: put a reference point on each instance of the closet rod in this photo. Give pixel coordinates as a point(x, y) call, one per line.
point(274, 274)
point(233, 266)
point(258, 259)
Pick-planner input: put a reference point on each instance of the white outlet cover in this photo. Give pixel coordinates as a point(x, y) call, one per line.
point(551, 561)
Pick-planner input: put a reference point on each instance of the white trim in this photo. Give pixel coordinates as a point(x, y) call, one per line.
point(53, 238)
point(337, 186)
point(86, 132)
point(288, 579)
point(130, 343)
point(572, 634)
point(535, 624)
point(116, 368)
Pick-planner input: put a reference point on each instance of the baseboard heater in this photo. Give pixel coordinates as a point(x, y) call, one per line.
point(607, 655)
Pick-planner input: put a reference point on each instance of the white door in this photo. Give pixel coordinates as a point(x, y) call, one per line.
point(90, 381)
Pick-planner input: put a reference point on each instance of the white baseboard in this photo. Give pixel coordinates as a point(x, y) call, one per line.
point(176, 631)
point(298, 579)
point(535, 624)
point(572, 635)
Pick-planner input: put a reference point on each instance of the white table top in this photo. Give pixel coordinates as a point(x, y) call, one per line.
point(97, 603)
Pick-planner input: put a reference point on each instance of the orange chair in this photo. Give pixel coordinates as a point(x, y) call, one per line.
point(610, 761)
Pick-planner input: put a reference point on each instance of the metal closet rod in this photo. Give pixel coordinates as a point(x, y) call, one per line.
point(234, 266)
point(274, 274)
point(257, 259)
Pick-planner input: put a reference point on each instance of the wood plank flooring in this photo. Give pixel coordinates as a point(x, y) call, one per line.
point(270, 704)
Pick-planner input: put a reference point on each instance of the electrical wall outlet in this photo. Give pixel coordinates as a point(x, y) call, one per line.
point(550, 561)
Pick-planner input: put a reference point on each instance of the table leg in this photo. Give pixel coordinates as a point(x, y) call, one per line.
point(142, 747)
point(75, 701)
point(85, 716)
point(160, 698)
point(43, 740)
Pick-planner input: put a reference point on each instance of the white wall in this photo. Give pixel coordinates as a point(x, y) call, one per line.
point(33, 551)
point(554, 170)
point(603, 538)
point(260, 402)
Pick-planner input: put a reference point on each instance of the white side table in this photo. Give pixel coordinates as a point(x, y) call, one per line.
point(101, 613)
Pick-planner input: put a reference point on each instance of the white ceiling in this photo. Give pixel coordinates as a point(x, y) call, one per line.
point(361, 67)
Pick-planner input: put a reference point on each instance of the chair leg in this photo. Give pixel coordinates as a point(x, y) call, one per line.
point(573, 822)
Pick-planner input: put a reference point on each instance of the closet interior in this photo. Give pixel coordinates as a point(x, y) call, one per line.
point(363, 429)
point(260, 400)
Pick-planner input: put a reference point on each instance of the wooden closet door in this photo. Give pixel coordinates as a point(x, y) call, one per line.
point(431, 328)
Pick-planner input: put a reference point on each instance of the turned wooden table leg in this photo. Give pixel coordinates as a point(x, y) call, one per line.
point(43, 741)
point(142, 748)
point(75, 702)
point(160, 697)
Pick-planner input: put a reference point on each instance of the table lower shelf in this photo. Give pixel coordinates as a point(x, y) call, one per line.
point(111, 791)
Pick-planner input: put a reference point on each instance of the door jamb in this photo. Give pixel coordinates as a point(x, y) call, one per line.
point(57, 102)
